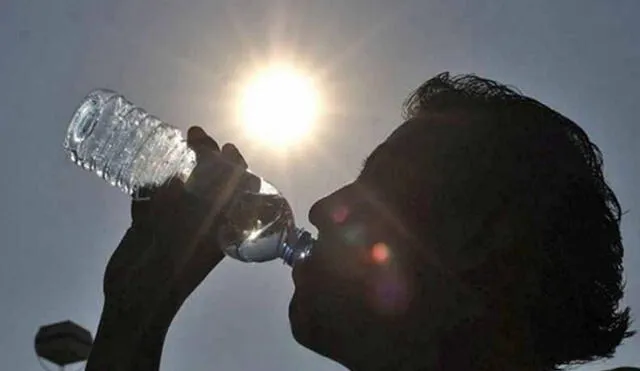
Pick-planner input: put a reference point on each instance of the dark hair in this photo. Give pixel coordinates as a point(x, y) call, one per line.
point(564, 217)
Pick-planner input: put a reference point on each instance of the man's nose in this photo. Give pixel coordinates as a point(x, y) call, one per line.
point(317, 213)
point(329, 211)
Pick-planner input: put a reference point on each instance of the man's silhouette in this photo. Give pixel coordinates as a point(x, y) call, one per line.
point(481, 235)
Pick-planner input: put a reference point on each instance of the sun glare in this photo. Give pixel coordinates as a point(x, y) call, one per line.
point(279, 105)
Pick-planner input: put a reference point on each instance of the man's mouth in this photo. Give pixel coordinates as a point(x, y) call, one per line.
point(297, 273)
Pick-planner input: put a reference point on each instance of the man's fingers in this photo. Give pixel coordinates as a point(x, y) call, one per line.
point(248, 182)
point(140, 206)
point(231, 153)
point(200, 142)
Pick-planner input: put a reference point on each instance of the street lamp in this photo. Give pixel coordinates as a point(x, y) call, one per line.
point(63, 343)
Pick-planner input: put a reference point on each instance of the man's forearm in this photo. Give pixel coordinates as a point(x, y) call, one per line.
point(124, 344)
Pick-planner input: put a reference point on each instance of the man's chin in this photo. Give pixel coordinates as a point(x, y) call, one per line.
point(300, 324)
point(307, 334)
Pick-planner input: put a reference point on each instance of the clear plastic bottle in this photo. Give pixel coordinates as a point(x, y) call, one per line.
point(132, 149)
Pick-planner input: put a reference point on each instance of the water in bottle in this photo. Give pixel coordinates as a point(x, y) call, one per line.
point(132, 149)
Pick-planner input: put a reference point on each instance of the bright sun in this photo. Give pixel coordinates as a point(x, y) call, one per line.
point(279, 105)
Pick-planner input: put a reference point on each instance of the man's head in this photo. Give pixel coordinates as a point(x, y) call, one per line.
point(480, 233)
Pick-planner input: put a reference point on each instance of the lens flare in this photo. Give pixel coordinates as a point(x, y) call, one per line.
point(380, 253)
point(391, 295)
point(340, 214)
point(354, 235)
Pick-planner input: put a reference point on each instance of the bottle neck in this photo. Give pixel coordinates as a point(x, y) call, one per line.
point(298, 248)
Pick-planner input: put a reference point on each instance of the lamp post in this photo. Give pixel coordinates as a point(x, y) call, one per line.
point(63, 343)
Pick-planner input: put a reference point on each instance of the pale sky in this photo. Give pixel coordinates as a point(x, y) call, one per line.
point(180, 60)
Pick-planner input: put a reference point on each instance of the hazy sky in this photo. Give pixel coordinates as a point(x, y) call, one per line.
point(180, 59)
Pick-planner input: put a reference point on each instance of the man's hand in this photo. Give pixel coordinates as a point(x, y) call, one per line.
point(169, 249)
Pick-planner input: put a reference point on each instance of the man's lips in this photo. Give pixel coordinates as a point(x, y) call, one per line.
point(296, 273)
point(301, 267)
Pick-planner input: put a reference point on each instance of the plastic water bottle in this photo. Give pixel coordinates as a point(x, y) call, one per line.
point(132, 149)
